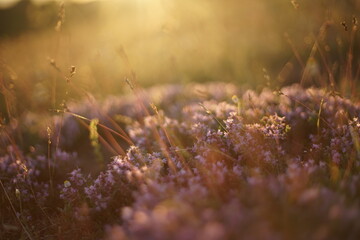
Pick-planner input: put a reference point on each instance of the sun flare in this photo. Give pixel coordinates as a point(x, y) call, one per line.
point(179, 119)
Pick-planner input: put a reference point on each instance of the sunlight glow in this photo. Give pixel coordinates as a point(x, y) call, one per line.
point(7, 3)
point(179, 119)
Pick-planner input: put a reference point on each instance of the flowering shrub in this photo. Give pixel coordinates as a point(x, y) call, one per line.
point(204, 164)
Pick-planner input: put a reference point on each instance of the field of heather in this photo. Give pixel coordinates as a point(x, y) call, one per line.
point(184, 120)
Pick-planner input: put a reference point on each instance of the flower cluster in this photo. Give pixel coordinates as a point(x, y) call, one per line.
point(206, 164)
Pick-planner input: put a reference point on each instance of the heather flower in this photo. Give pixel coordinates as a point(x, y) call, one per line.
point(213, 170)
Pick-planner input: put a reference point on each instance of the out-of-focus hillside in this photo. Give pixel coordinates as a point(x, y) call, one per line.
point(253, 43)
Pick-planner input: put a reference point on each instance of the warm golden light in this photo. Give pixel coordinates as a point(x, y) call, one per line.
point(179, 119)
point(170, 41)
point(7, 3)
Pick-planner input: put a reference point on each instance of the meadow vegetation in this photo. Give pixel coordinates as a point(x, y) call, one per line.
point(182, 120)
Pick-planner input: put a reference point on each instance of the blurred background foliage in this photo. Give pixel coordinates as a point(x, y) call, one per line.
point(253, 43)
